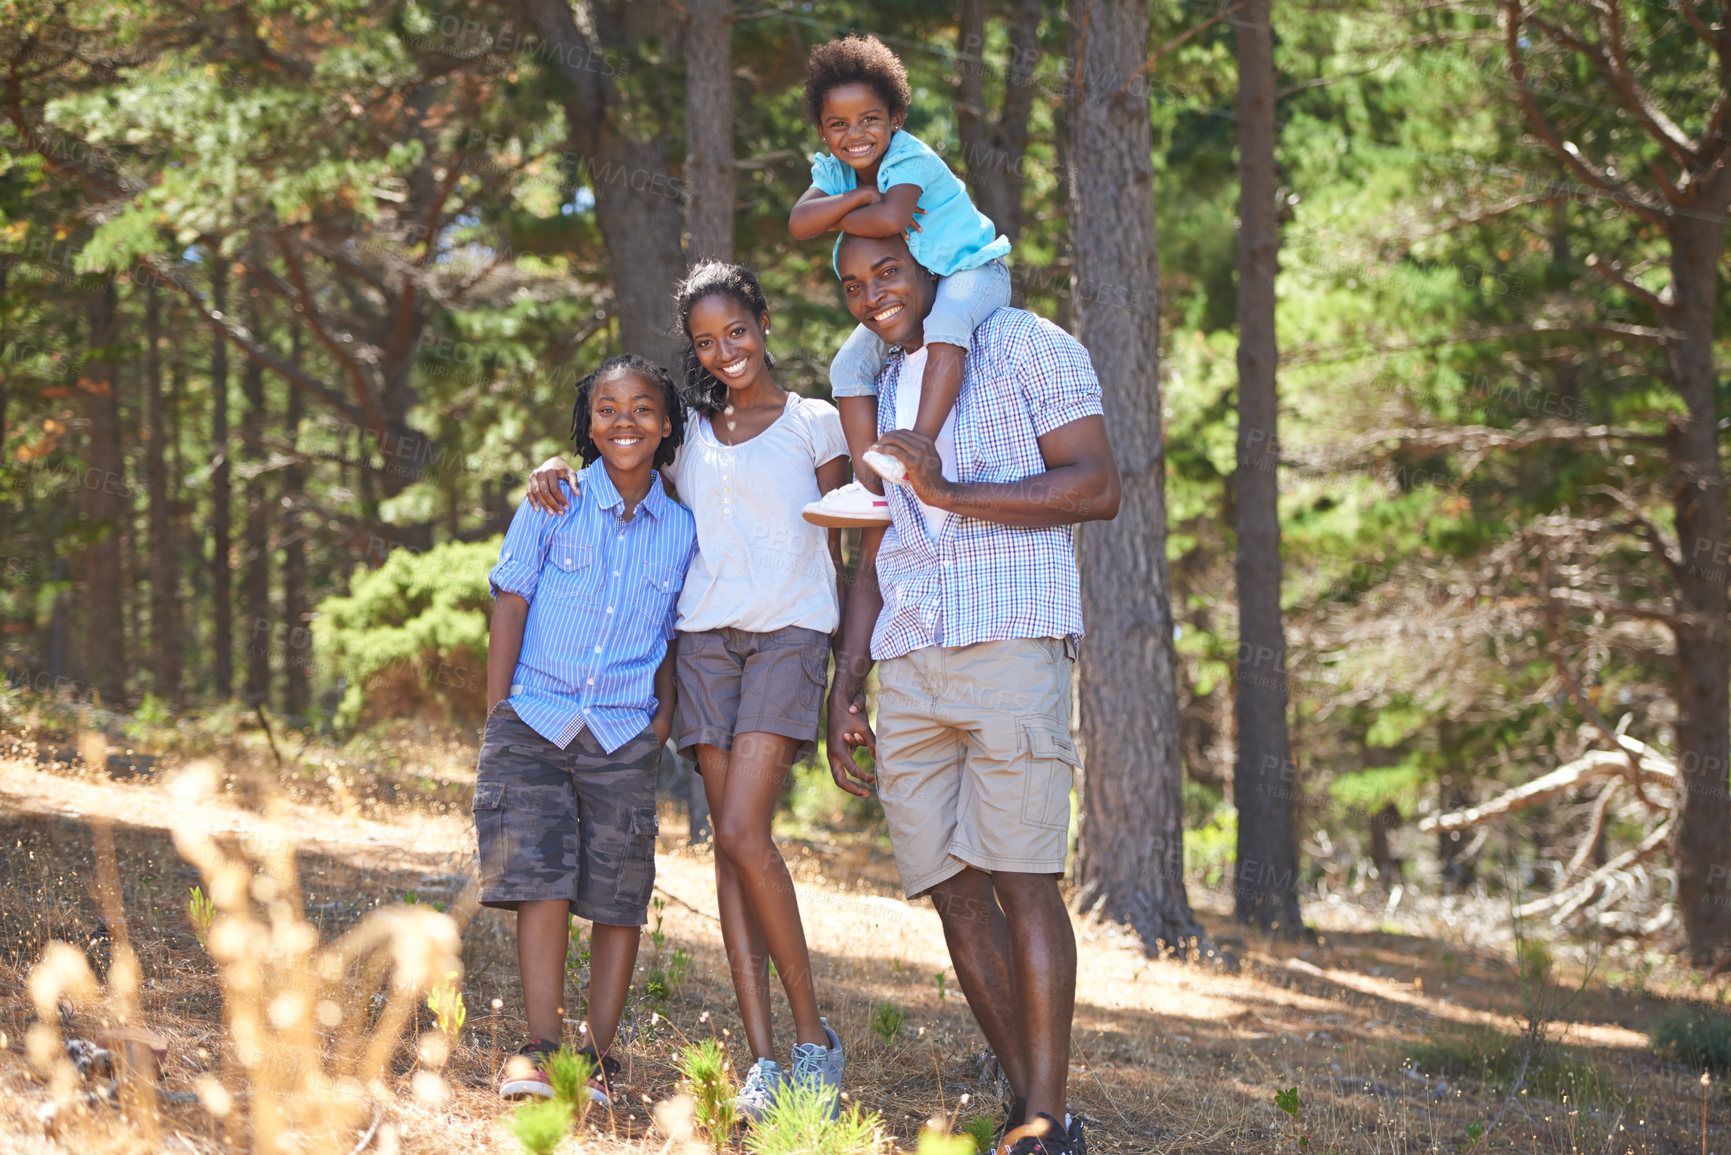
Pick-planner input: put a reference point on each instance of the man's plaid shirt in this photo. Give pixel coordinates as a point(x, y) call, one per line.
point(980, 581)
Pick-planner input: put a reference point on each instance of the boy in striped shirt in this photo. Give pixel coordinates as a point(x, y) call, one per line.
point(580, 701)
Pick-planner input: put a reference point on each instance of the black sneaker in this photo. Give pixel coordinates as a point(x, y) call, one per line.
point(1078, 1134)
point(1041, 1135)
point(601, 1084)
point(525, 1073)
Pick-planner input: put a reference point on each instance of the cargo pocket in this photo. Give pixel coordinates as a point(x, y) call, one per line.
point(637, 872)
point(1048, 773)
point(489, 810)
point(816, 666)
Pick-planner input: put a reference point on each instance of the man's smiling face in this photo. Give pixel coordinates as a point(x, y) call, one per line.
point(887, 291)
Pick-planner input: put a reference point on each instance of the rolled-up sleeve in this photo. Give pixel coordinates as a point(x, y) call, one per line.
point(1058, 381)
point(524, 551)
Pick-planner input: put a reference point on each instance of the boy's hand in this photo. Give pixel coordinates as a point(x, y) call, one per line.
point(848, 731)
point(544, 492)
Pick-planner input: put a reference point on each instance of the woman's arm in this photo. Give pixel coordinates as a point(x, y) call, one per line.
point(832, 474)
point(544, 492)
point(816, 212)
point(891, 216)
point(849, 729)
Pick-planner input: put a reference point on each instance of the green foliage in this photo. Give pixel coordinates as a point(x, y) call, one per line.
point(982, 1130)
point(539, 1125)
point(934, 1141)
point(704, 1067)
point(449, 1010)
point(1210, 851)
point(1695, 1038)
point(202, 912)
point(799, 1122)
point(886, 1021)
point(569, 1072)
point(1495, 1060)
point(1371, 790)
point(412, 636)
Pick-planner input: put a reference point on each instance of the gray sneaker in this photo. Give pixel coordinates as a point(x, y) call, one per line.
point(817, 1065)
point(758, 1090)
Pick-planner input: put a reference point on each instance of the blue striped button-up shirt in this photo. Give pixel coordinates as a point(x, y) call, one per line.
point(979, 580)
point(602, 594)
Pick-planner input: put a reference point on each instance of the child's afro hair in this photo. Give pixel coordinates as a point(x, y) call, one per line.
point(647, 369)
point(856, 60)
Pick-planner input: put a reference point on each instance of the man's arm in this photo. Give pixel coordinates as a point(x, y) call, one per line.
point(504, 644)
point(849, 728)
point(662, 722)
point(817, 212)
point(1080, 483)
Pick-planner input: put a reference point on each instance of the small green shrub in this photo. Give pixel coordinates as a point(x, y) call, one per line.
point(202, 911)
point(1210, 851)
point(705, 1070)
point(410, 639)
point(936, 1142)
point(569, 1073)
point(982, 1130)
point(446, 1003)
point(1696, 1039)
point(799, 1122)
point(540, 1125)
point(887, 1020)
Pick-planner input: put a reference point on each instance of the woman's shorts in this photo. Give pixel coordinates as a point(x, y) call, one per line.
point(736, 682)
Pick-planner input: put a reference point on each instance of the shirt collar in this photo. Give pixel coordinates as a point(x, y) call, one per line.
point(597, 483)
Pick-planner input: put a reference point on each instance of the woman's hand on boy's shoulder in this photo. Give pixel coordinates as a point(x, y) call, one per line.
point(544, 491)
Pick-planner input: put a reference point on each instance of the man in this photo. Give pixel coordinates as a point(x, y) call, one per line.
point(969, 603)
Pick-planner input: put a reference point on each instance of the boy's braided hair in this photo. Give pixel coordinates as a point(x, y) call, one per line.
point(647, 369)
point(856, 60)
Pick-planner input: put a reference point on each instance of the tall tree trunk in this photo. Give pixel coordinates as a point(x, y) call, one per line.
point(1265, 780)
point(164, 558)
point(1703, 837)
point(297, 696)
point(1130, 857)
point(255, 536)
point(709, 129)
point(993, 149)
point(636, 204)
point(105, 508)
point(222, 608)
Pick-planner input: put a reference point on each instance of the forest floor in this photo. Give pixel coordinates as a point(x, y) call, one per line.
point(1394, 1041)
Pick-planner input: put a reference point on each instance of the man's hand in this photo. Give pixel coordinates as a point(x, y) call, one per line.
point(544, 492)
point(920, 454)
point(848, 731)
point(663, 727)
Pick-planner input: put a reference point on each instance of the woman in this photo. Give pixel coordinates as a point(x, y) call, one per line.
point(760, 604)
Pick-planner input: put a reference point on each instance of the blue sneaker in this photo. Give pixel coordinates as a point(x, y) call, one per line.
point(821, 1066)
point(759, 1089)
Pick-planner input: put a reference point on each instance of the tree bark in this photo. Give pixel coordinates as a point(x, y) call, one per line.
point(164, 565)
point(222, 609)
point(994, 149)
point(1703, 830)
point(297, 648)
point(1130, 855)
point(255, 537)
point(636, 204)
point(1265, 779)
point(709, 129)
point(104, 486)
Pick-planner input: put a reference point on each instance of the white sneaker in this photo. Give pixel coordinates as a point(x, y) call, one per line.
point(851, 505)
point(886, 466)
point(820, 1066)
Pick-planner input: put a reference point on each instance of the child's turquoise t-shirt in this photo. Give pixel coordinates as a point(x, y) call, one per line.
point(953, 234)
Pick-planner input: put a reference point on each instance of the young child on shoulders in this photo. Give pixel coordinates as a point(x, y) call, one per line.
point(580, 700)
point(874, 182)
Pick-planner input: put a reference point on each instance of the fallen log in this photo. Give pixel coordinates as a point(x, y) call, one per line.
point(1595, 765)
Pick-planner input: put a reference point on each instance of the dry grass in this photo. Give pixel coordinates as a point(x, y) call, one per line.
point(1168, 1057)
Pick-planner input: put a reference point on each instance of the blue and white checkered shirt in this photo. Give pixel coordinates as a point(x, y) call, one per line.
point(979, 581)
point(602, 594)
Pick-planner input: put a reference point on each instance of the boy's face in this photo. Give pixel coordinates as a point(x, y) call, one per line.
point(627, 420)
point(887, 291)
point(856, 125)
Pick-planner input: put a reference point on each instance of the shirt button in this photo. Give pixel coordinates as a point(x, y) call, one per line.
point(567, 561)
point(609, 609)
point(615, 573)
point(591, 681)
point(597, 650)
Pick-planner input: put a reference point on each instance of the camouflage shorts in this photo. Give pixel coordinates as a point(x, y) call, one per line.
point(576, 824)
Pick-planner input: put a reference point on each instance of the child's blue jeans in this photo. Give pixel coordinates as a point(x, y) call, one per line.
point(965, 298)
